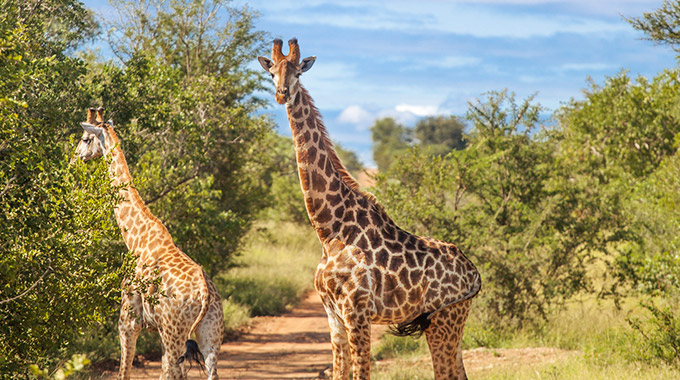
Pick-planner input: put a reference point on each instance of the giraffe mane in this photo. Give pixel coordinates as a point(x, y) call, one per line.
point(333, 155)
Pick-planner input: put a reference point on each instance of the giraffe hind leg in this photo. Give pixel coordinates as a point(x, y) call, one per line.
point(209, 337)
point(444, 337)
point(129, 327)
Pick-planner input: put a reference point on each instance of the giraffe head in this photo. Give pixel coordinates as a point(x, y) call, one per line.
point(286, 69)
point(93, 142)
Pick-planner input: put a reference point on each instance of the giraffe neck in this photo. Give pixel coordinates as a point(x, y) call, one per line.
point(134, 218)
point(324, 180)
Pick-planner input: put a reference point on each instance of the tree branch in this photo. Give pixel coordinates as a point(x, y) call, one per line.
point(27, 290)
point(169, 189)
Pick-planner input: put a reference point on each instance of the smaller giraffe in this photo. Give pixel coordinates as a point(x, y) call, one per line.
point(188, 301)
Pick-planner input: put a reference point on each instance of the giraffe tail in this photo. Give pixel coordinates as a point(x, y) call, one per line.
point(193, 353)
point(418, 326)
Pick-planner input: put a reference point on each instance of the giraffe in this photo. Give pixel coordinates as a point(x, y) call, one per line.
point(187, 302)
point(371, 271)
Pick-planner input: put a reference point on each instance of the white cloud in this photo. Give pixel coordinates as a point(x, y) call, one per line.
point(418, 110)
point(446, 62)
point(354, 114)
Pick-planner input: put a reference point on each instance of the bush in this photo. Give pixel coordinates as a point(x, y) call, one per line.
point(660, 333)
point(506, 202)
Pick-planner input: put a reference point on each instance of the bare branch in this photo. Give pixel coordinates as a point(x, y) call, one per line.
point(27, 290)
point(171, 188)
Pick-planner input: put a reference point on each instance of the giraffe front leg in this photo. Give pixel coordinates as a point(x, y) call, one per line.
point(129, 327)
point(359, 336)
point(340, 346)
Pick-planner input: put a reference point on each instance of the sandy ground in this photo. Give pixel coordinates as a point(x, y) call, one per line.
point(297, 346)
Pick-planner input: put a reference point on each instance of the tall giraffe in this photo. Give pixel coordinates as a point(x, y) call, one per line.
point(188, 301)
point(371, 271)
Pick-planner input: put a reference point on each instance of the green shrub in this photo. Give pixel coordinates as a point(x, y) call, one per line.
point(660, 333)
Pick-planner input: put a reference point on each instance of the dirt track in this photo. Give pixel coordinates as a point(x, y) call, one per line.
point(293, 346)
point(297, 346)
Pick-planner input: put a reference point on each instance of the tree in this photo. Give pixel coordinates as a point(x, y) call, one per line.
point(441, 134)
point(624, 128)
point(183, 100)
point(507, 202)
point(60, 269)
point(436, 135)
point(390, 140)
point(350, 159)
point(661, 26)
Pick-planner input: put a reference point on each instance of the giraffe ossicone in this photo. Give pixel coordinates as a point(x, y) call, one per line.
point(371, 271)
point(187, 302)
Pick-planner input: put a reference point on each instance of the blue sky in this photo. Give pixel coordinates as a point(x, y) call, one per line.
point(409, 59)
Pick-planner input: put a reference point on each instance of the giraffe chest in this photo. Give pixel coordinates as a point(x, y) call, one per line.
point(351, 282)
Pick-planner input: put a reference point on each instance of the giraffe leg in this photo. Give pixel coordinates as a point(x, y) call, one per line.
point(174, 346)
point(340, 346)
point(359, 334)
point(129, 327)
point(444, 337)
point(209, 337)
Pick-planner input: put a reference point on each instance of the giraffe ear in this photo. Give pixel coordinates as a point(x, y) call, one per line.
point(89, 128)
point(307, 63)
point(266, 63)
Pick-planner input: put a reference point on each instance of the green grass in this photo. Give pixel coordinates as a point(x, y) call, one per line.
point(580, 368)
point(274, 272)
point(599, 341)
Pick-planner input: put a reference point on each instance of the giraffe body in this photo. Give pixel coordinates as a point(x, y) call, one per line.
point(187, 301)
point(371, 270)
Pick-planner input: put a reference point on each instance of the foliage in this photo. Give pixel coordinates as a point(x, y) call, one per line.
point(661, 26)
point(507, 203)
point(436, 135)
point(660, 333)
point(390, 140)
point(183, 104)
point(275, 272)
point(623, 128)
point(350, 159)
point(71, 367)
point(619, 146)
point(286, 201)
point(56, 224)
point(590, 337)
point(651, 264)
point(440, 134)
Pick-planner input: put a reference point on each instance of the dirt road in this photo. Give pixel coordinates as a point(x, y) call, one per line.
point(293, 346)
point(297, 346)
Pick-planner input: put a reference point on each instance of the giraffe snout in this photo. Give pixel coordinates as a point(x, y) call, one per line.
point(282, 95)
